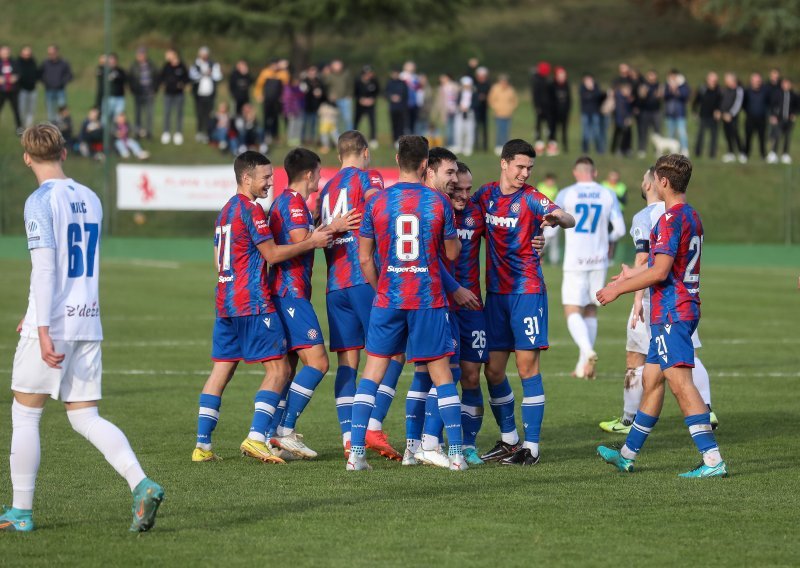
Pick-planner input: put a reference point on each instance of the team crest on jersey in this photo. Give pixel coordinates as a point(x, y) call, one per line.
point(290, 311)
point(515, 208)
point(312, 334)
point(469, 222)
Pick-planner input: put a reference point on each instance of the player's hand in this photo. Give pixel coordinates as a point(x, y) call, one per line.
point(466, 299)
point(607, 294)
point(346, 222)
point(624, 274)
point(537, 243)
point(551, 220)
point(638, 313)
point(48, 350)
point(321, 239)
point(19, 325)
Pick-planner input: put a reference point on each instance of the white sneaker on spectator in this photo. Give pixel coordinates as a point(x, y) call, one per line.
point(786, 159)
point(165, 138)
point(143, 155)
point(373, 144)
point(728, 158)
point(263, 148)
point(742, 159)
point(498, 150)
point(177, 138)
point(772, 158)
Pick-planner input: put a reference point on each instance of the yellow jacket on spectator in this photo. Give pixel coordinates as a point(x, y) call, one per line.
point(268, 72)
point(503, 100)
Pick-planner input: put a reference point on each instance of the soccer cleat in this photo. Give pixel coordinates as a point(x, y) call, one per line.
point(347, 449)
point(259, 450)
point(378, 442)
point(294, 443)
point(432, 457)
point(357, 463)
point(16, 520)
point(590, 368)
point(522, 456)
point(472, 457)
point(147, 497)
point(612, 456)
point(500, 451)
point(702, 470)
point(616, 426)
point(714, 420)
point(408, 458)
point(458, 462)
point(201, 455)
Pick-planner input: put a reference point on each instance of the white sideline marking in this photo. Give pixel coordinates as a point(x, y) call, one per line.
point(145, 263)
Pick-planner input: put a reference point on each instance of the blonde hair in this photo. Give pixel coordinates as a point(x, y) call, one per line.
point(43, 142)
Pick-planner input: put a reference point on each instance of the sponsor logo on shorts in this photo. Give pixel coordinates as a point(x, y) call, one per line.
point(668, 328)
point(533, 340)
point(83, 311)
point(400, 269)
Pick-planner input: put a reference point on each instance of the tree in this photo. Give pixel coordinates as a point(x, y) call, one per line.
point(296, 20)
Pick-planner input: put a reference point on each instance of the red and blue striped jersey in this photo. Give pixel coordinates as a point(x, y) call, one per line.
point(678, 233)
point(409, 222)
point(470, 226)
point(291, 277)
point(345, 192)
point(242, 276)
point(512, 266)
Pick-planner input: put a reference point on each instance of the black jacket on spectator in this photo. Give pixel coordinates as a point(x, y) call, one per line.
point(783, 104)
point(756, 102)
point(732, 101)
point(135, 79)
point(369, 89)
point(174, 79)
point(397, 87)
point(315, 93)
point(239, 85)
point(28, 73)
point(591, 99)
point(542, 93)
point(562, 99)
point(116, 83)
point(651, 101)
point(707, 101)
point(55, 74)
point(14, 70)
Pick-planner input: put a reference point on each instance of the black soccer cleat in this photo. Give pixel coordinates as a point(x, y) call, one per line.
point(500, 451)
point(522, 456)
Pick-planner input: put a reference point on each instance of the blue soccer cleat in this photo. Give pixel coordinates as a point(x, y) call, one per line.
point(612, 456)
point(147, 497)
point(702, 470)
point(16, 520)
point(472, 457)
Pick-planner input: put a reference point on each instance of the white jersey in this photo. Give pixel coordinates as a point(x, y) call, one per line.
point(67, 216)
point(594, 207)
point(641, 226)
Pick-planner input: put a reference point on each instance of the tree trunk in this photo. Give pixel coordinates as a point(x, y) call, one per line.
point(302, 42)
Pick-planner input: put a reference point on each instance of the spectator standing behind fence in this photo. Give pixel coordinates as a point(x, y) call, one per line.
point(676, 99)
point(706, 105)
point(591, 98)
point(9, 84)
point(614, 183)
point(447, 100)
point(623, 120)
point(730, 107)
point(756, 108)
point(268, 90)
point(562, 104)
point(56, 74)
point(249, 133)
point(239, 84)
point(64, 125)
point(397, 95)
point(339, 84)
point(314, 90)
point(366, 90)
point(28, 77)
point(481, 106)
point(542, 98)
point(174, 77)
point(774, 82)
point(292, 103)
point(647, 109)
point(409, 75)
point(142, 82)
point(784, 104)
point(503, 101)
point(204, 73)
point(117, 79)
point(465, 119)
point(328, 126)
point(223, 134)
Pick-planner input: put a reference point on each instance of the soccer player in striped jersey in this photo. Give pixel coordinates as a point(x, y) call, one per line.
point(673, 275)
point(247, 327)
point(516, 298)
point(349, 296)
point(412, 227)
point(289, 282)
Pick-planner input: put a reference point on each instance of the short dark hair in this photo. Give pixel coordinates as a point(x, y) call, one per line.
point(463, 168)
point(549, 175)
point(412, 150)
point(584, 161)
point(677, 169)
point(351, 143)
point(516, 147)
point(299, 161)
point(246, 162)
point(437, 155)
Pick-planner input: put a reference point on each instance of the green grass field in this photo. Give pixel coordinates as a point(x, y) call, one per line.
point(570, 510)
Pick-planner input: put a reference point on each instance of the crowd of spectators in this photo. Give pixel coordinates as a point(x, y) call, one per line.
point(312, 106)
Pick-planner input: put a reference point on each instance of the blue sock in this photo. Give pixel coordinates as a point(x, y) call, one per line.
point(385, 396)
point(279, 410)
point(471, 414)
point(434, 425)
point(344, 389)
point(640, 429)
point(266, 403)
point(501, 400)
point(450, 411)
point(532, 411)
point(702, 434)
point(300, 392)
point(363, 403)
point(207, 417)
point(415, 405)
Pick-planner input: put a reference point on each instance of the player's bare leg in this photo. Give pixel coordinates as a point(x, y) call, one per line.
point(221, 374)
point(579, 330)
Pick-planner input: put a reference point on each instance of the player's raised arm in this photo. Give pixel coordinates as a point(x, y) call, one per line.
point(559, 218)
point(637, 279)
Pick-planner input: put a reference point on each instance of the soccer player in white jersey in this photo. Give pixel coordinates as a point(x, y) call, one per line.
point(58, 354)
point(638, 341)
point(586, 252)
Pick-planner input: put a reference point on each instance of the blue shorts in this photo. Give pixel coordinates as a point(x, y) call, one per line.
point(299, 322)
point(423, 334)
point(456, 335)
point(250, 338)
point(671, 344)
point(348, 316)
point(516, 322)
point(472, 331)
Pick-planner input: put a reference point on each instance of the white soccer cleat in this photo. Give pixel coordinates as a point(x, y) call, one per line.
point(590, 369)
point(357, 463)
point(432, 457)
point(294, 443)
point(580, 368)
point(408, 458)
point(458, 463)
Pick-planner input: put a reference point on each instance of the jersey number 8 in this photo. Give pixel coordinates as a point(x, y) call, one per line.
point(406, 230)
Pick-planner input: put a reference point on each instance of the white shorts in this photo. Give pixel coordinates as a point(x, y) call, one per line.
point(639, 337)
point(578, 287)
point(78, 379)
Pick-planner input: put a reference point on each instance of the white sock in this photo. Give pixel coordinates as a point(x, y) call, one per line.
point(701, 380)
point(627, 453)
point(25, 453)
point(632, 393)
point(257, 437)
point(374, 425)
point(204, 447)
point(430, 443)
point(532, 446)
point(111, 442)
point(412, 445)
point(510, 437)
point(284, 431)
point(345, 438)
point(591, 325)
point(579, 332)
point(712, 458)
